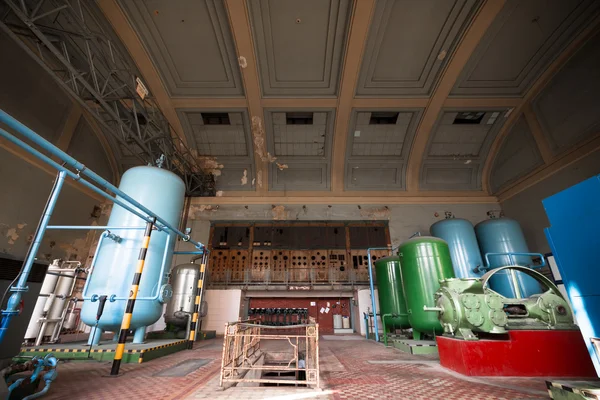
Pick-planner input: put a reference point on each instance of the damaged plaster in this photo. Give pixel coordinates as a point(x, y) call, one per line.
point(210, 165)
point(259, 179)
point(376, 213)
point(282, 166)
point(12, 234)
point(258, 137)
point(196, 210)
point(244, 179)
point(279, 213)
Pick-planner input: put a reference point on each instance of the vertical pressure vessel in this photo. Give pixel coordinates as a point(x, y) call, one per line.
point(462, 242)
point(424, 261)
point(504, 235)
point(162, 192)
point(390, 292)
point(184, 281)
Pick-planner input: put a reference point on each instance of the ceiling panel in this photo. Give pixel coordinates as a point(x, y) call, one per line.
point(568, 107)
point(404, 55)
point(518, 156)
point(458, 146)
point(222, 135)
point(299, 45)
point(190, 43)
point(520, 44)
point(378, 146)
point(299, 140)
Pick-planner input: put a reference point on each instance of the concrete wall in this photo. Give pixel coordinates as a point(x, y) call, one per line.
point(29, 94)
point(404, 220)
point(526, 207)
point(223, 307)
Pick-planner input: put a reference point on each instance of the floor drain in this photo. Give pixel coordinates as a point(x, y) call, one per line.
point(183, 368)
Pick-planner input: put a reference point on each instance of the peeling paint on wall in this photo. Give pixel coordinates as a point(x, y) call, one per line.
point(279, 213)
point(244, 179)
point(376, 213)
point(12, 234)
point(258, 137)
point(259, 181)
point(196, 210)
point(210, 165)
point(282, 166)
point(219, 193)
point(242, 61)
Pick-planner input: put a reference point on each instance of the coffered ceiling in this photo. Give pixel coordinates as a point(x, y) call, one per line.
point(387, 98)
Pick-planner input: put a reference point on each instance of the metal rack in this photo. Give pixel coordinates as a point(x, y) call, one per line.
point(74, 43)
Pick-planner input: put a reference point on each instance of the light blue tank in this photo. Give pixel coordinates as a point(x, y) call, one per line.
point(464, 249)
point(504, 235)
point(162, 192)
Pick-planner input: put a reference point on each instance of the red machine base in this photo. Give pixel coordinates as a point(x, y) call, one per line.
point(526, 353)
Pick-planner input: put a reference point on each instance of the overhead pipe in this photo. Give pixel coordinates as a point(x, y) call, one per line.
point(82, 169)
point(14, 300)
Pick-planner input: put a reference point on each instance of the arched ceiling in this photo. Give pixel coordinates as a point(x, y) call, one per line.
point(388, 99)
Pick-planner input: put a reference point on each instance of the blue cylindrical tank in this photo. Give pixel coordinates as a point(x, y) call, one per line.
point(504, 235)
point(464, 249)
point(162, 192)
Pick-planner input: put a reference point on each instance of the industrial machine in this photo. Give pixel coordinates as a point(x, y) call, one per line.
point(54, 303)
point(502, 242)
point(180, 308)
point(424, 262)
point(392, 304)
point(487, 334)
point(462, 242)
point(116, 257)
point(467, 307)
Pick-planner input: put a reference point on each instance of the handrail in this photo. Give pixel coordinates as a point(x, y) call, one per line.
point(82, 169)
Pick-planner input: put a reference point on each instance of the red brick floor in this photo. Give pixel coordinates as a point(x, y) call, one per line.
point(408, 377)
point(90, 380)
point(351, 370)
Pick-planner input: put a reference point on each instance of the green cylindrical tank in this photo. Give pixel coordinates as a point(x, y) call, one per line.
point(424, 261)
point(389, 290)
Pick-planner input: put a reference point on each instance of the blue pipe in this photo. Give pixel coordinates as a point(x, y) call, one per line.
point(87, 281)
point(94, 227)
point(15, 298)
point(179, 253)
point(71, 174)
point(373, 302)
point(73, 163)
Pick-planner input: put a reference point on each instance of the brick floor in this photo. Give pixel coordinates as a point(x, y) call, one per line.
point(350, 370)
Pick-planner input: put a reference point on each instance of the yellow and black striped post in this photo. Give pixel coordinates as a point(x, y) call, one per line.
point(197, 302)
point(126, 323)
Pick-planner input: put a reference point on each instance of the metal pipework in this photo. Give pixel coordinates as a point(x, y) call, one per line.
point(153, 297)
point(15, 298)
point(373, 302)
point(82, 169)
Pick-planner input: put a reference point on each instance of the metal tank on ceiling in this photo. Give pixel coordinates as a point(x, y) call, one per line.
point(504, 235)
point(462, 242)
point(424, 261)
point(184, 281)
point(116, 258)
point(390, 292)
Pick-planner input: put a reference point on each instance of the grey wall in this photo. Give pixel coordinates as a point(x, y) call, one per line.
point(526, 207)
point(29, 94)
point(404, 220)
